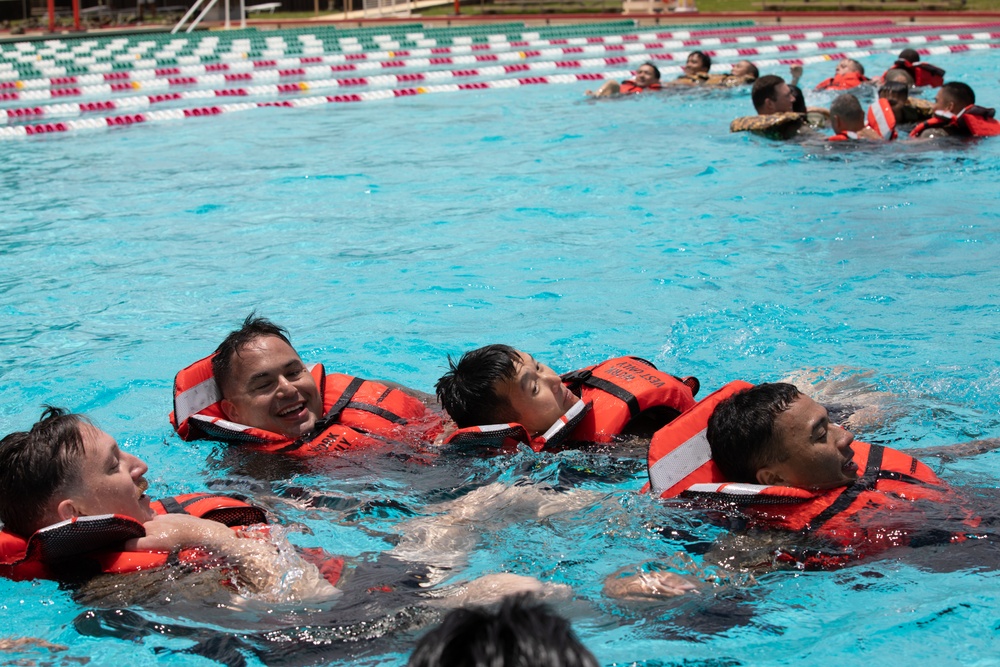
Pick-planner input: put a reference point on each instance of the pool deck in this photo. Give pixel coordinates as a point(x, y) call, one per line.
point(534, 19)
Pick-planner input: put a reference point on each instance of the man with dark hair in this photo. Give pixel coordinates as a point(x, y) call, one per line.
point(905, 109)
point(474, 390)
point(847, 119)
point(647, 78)
point(956, 114)
point(770, 94)
point(696, 70)
point(773, 434)
point(520, 632)
point(498, 385)
point(256, 390)
point(64, 469)
point(918, 73)
point(776, 117)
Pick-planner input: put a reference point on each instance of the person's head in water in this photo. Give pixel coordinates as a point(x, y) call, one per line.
point(770, 94)
point(909, 55)
point(848, 65)
point(898, 94)
point(745, 69)
point(898, 75)
point(846, 114)
point(498, 384)
point(520, 633)
point(64, 467)
point(773, 434)
point(263, 382)
point(953, 97)
point(646, 75)
point(697, 62)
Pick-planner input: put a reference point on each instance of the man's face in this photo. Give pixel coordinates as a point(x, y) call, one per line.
point(536, 394)
point(819, 454)
point(271, 389)
point(645, 76)
point(845, 66)
point(943, 102)
point(783, 100)
point(742, 68)
point(694, 65)
point(109, 480)
point(897, 102)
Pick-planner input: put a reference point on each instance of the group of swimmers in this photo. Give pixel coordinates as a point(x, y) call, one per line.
point(72, 503)
point(782, 112)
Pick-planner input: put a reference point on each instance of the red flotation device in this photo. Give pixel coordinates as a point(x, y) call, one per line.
point(357, 414)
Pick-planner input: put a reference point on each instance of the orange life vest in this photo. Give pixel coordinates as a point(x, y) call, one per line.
point(613, 393)
point(843, 136)
point(924, 74)
point(844, 81)
point(972, 121)
point(354, 410)
point(882, 120)
point(92, 543)
point(859, 516)
point(630, 88)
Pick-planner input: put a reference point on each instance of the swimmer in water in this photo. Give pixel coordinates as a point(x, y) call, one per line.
point(259, 391)
point(847, 119)
point(647, 78)
point(773, 435)
point(849, 74)
point(956, 114)
point(498, 384)
point(743, 73)
point(696, 70)
point(64, 468)
point(776, 117)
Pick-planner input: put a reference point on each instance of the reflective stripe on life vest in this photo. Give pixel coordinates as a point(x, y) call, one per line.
point(881, 119)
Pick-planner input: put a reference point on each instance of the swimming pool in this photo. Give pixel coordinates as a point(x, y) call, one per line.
point(389, 234)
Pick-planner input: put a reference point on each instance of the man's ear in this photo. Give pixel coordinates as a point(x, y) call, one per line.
point(767, 475)
point(229, 410)
point(67, 509)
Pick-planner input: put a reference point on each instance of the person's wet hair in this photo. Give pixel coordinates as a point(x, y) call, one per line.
point(960, 93)
point(765, 88)
point(894, 89)
point(909, 55)
point(35, 464)
point(799, 105)
point(253, 328)
point(706, 61)
point(848, 109)
point(741, 430)
point(520, 633)
point(468, 391)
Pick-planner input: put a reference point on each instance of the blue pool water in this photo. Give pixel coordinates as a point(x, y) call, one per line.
point(387, 235)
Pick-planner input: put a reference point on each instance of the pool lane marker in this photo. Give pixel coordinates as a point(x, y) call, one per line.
point(263, 72)
point(52, 71)
point(170, 115)
point(274, 90)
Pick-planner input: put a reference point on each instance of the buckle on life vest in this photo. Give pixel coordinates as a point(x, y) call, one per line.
point(575, 379)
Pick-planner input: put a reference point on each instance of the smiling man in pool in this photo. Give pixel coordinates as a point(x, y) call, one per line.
point(499, 385)
point(256, 391)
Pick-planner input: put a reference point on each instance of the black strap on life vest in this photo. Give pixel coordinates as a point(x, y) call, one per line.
point(850, 494)
point(344, 402)
point(575, 379)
